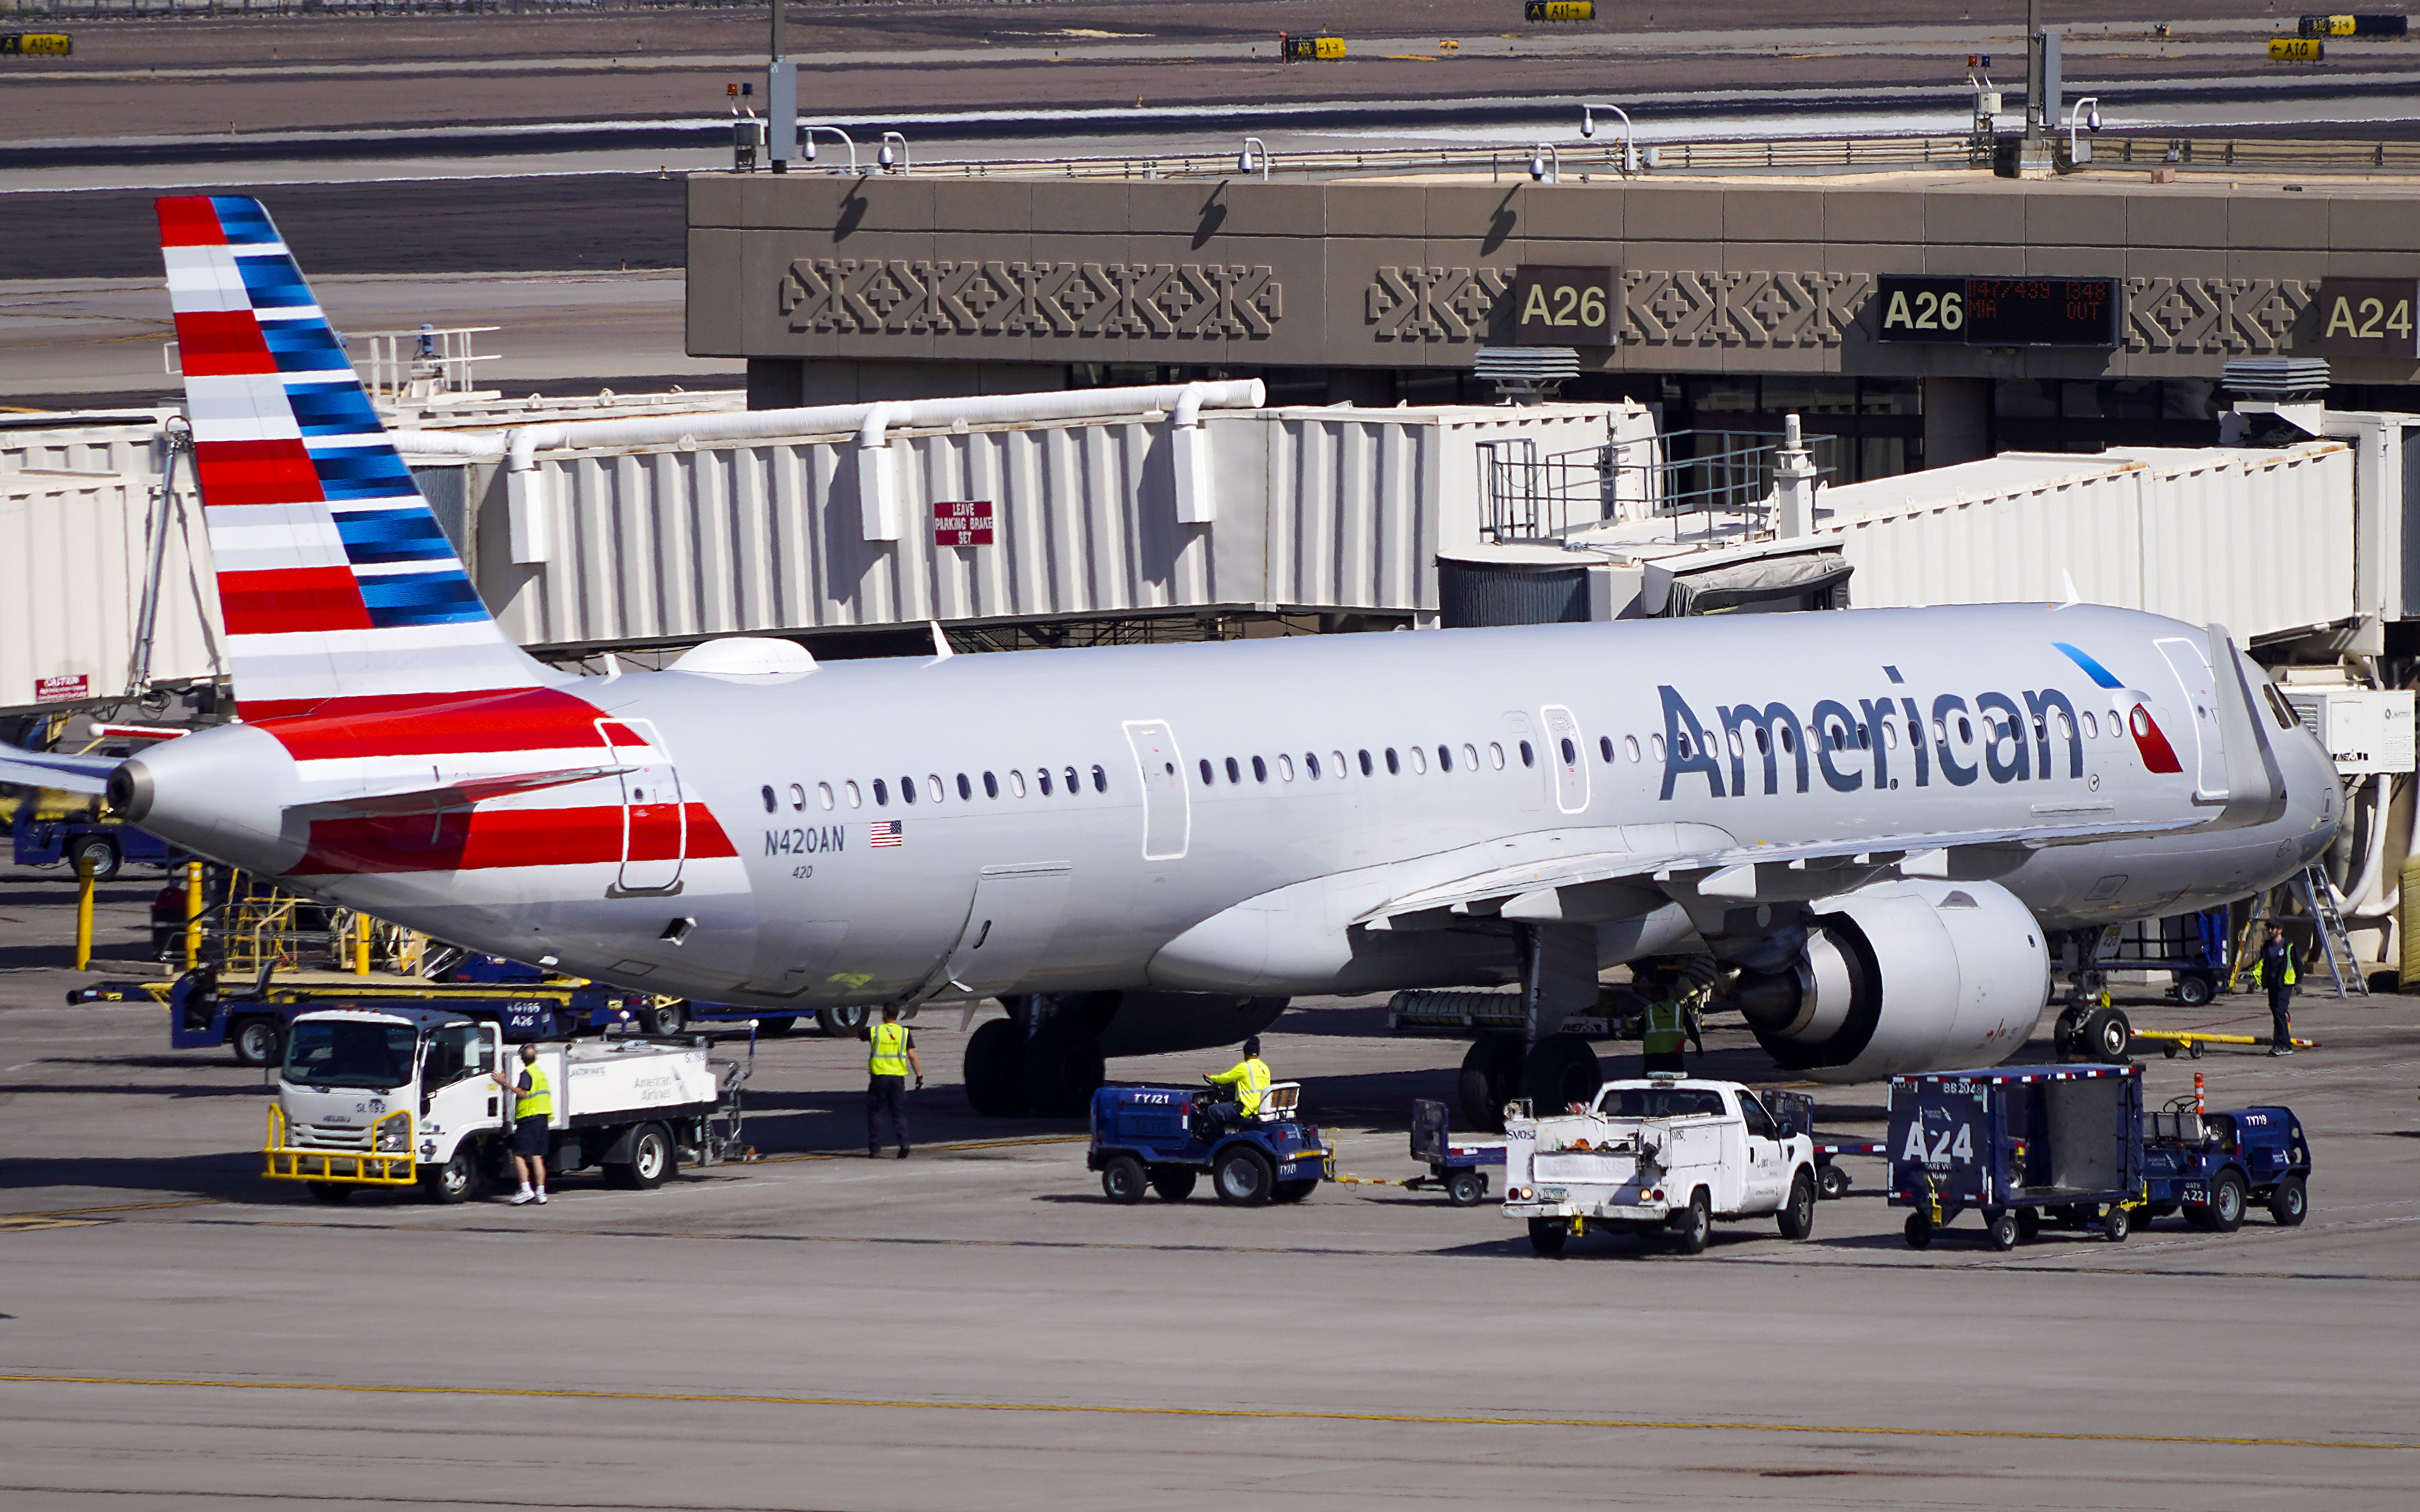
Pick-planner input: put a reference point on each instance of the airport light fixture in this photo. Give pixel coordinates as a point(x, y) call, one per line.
point(1546, 164)
point(886, 158)
point(1629, 133)
point(807, 142)
point(2085, 110)
point(1255, 155)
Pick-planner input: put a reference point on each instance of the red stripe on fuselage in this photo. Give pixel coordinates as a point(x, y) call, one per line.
point(189, 220)
point(291, 599)
point(432, 724)
point(216, 343)
point(2158, 755)
point(492, 839)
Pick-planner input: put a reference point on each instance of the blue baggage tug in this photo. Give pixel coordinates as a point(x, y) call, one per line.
point(1151, 1137)
point(2035, 1146)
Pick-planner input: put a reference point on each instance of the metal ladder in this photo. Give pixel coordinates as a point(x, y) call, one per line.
point(2319, 900)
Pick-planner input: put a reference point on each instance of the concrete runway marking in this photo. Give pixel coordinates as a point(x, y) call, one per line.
point(1224, 1414)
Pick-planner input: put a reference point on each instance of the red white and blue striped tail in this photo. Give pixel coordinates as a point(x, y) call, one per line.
point(338, 588)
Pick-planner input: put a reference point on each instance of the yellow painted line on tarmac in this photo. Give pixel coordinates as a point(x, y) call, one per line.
point(19, 1225)
point(1231, 1413)
point(62, 1215)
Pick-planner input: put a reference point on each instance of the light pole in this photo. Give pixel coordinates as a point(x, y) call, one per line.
point(1629, 136)
point(780, 99)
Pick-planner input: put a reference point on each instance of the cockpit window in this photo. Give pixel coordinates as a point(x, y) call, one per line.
point(2279, 709)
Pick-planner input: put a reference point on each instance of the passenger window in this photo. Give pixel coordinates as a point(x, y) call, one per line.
point(1470, 758)
point(1420, 760)
point(768, 799)
point(1042, 775)
point(1496, 755)
point(1260, 770)
point(1017, 785)
point(1394, 764)
point(991, 786)
point(1763, 741)
point(854, 801)
point(1739, 746)
point(1073, 787)
point(1630, 746)
point(1656, 744)
point(1789, 741)
point(967, 789)
point(1285, 768)
point(1234, 773)
point(1528, 756)
point(1209, 778)
point(824, 795)
point(1760, 1122)
point(798, 796)
point(1445, 758)
point(907, 790)
point(1365, 763)
point(1605, 748)
point(1336, 759)
point(1310, 764)
point(2091, 726)
point(881, 795)
point(1100, 780)
point(933, 785)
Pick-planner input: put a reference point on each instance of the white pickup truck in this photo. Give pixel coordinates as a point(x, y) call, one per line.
point(398, 1097)
point(1663, 1155)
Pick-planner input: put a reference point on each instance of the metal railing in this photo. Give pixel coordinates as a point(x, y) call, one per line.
point(1707, 482)
point(424, 363)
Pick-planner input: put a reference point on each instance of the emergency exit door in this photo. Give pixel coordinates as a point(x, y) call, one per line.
point(655, 821)
point(1167, 801)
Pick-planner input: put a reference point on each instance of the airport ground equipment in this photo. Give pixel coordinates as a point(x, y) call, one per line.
point(1457, 1168)
point(2017, 1144)
point(254, 1019)
point(2194, 947)
point(2192, 1040)
point(40, 842)
point(1155, 1138)
point(1662, 1155)
point(2212, 1166)
point(1797, 1109)
point(402, 1095)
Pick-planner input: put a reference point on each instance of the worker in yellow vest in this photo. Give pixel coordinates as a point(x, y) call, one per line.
point(2277, 974)
point(1249, 1077)
point(887, 1067)
point(533, 1113)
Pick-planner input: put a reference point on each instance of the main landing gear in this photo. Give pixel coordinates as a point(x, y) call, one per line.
point(1038, 1062)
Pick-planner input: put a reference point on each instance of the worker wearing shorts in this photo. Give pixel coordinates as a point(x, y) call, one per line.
point(533, 1111)
point(892, 1056)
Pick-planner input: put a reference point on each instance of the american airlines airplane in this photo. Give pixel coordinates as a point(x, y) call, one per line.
point(1875, 825)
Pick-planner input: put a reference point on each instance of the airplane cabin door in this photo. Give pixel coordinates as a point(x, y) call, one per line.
point(1167, 801)
point(2200, 686)
point(1567, 753)
point(1017, 911)
point(655, 821)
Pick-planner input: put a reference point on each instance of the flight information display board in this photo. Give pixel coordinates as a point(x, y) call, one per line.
point(1998, 311)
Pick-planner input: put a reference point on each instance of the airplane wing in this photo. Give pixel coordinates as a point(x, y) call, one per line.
point(434, 795)
point(53, 770)
point(1599, 886)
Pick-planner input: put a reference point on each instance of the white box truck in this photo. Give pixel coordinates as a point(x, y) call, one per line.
point(1665, 1155)
point(404, 1095)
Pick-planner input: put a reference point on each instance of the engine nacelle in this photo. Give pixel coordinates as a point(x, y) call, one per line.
point(1902, 977)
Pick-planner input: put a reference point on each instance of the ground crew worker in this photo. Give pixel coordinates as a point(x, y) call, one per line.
point(893, 1055)
point(533, 1110)
point(2277, 974)
point(1249, 1077)
point(1666, 1030)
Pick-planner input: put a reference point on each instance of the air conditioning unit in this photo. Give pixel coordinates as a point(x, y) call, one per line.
point(2366, 730)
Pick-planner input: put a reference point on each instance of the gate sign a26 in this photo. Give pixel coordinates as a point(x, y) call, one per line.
point(1998, 311)
point(1554, 306)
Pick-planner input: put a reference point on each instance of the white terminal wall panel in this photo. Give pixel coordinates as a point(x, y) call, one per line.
point(2259, 541)
point(78, 553)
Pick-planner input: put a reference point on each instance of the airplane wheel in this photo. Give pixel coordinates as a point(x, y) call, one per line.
point(995, 1070)
point(1561, 1069)
point(2107, 1035)
point(1062, 1066)
point(1491, 1076)
point(843, 1023)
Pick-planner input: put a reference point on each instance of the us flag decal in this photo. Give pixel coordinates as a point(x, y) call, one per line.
point(885, 833)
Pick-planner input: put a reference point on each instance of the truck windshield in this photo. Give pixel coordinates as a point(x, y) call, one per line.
point(334, 1053)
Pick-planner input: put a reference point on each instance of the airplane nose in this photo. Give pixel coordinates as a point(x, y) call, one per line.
point(224, 792)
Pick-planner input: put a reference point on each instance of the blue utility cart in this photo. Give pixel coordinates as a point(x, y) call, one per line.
point(2017, 1143)
point(1156, 1138)
point(2211, 1167)
point(1456, 1167)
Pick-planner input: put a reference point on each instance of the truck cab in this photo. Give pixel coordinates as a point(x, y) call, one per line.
point(1665, 1155)
point(404, 1095)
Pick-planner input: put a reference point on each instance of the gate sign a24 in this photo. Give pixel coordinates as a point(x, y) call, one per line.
point(2361, 317)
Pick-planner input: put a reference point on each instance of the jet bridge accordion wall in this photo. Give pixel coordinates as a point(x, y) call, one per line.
point(1313, 508)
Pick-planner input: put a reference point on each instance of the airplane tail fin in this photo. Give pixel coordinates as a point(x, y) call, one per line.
point(338, 588)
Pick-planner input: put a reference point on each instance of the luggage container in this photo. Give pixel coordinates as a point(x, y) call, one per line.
point(2017, 1143)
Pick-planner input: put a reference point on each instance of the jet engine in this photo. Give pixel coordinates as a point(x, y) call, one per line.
point(1899, 977)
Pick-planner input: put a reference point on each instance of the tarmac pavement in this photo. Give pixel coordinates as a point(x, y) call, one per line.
point(976, 1327)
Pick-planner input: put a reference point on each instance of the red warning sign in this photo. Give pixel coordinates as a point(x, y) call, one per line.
point(962, 522)
point(67, 688)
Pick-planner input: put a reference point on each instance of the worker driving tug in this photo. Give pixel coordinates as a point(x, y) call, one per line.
point(1249, 1077)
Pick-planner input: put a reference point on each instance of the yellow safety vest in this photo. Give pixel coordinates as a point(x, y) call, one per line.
point(538, 1100)
point(1664, 1028)
point(890, 1057)
point(1250, 1079)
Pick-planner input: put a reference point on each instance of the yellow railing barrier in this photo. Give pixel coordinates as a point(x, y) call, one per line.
point(84, 912)
point(192, 915)
point(349, 1167)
